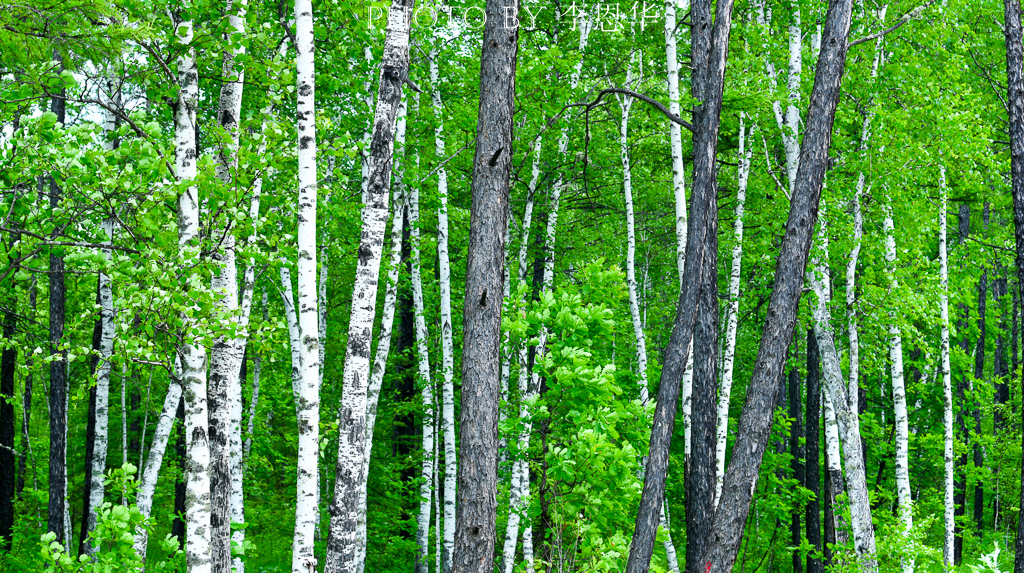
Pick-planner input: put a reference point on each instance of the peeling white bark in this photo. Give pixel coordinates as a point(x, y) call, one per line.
point(849, 428)
point(191, 354)
point(423, 370)
point(308, 396)
point(151, 473)
point(447, 346)
point(947, 387)
point(899, 392)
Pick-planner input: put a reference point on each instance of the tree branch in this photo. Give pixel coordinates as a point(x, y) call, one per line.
point(913, 14)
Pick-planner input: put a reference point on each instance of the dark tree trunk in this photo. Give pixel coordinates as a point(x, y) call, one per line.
point(405, 429)
point(701, 466)
point(960, 483)
point(796, 432)
point(755, 420)
point(862, 407)
point(58, 369)
point(979, 375)
point(90, 428)
point(178, 525)
point(8, 361)
point(812, 429)
point(960, 479)
point(476, 499)
point(1014, 333)
point(1015, 99)
point(700, 241)
point(1000, 365)
point(26, 404)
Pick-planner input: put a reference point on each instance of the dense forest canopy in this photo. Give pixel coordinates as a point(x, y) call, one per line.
point(760, 266)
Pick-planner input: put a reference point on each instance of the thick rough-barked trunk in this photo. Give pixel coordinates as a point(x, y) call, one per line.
point(444, 271)
point(8, 362)
point(342, 542)
point(191, 354)
point(949, 522)
point(700, 460)
point(756, 418)
point(677, 352)
point(57, 509)
point(476, 501)
point(307, 396)
point(729, 359)
point(226, 355)
point(812, 429)
point(1015, 101)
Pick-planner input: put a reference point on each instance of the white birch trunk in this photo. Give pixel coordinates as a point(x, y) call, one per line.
point(672, 7)
point(947, 387)
point(308, 396)
point(347, 509)
point(849, 428)
point(899, 392)
point(835, 467)
point(423, 366)
point(626, 103)
point(192, 355)
point(380, 359)
point(227, 353)
point(852, 329)
point(101, 430)
point(527, 524)
point(151, 473)
point(675, 131)
point(447, 346)
point(729, 356)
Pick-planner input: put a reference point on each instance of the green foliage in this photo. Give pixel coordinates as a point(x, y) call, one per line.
point(113, 539)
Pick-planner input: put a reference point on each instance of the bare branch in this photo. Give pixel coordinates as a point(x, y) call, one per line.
point(912, 15)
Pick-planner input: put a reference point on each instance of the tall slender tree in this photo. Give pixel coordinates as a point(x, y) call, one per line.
point(342, 541)
point(476, 502)
point(755, 420)
point(1015, 107)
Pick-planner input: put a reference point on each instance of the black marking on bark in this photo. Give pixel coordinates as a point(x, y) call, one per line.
point(483, 298)
point(494, 158)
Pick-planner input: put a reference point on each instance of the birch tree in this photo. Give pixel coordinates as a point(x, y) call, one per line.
point(949, 524)
point(226, 356)
point(445, 311)
point(342, 542)
point(423, 372)
point(191, 354)
point(307, 399)
point(729, 356)
point(380, 358)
